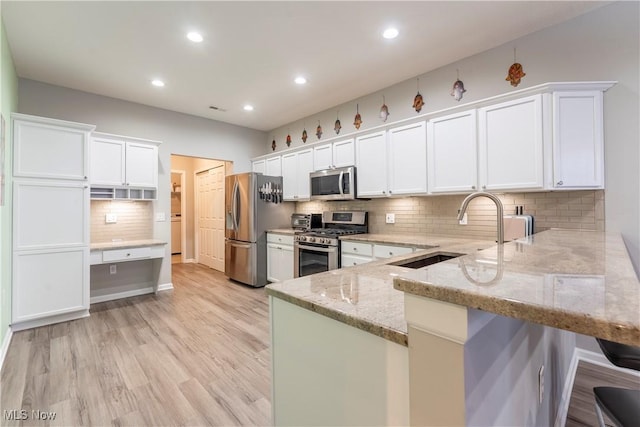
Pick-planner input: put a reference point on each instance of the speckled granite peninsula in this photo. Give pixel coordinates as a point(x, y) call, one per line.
point(581, 281)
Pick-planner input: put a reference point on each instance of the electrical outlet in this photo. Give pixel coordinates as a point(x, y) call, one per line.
point(113, 269)
point(463, 221)
point(391, 218)
point(110, 218)
point(160, 216)
point(541, 384)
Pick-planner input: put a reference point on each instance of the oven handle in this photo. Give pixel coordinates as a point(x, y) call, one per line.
point(316, 248)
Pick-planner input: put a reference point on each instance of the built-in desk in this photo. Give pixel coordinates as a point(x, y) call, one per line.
point(125, 269)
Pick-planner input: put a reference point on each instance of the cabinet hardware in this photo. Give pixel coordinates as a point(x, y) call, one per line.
point(484, 187)
point(560, 182)
point(473, 187)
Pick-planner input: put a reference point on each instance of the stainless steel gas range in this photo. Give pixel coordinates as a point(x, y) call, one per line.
point(318, 249)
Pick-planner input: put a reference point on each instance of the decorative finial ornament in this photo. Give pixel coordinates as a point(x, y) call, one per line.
point(384, 110)
point(319, 130)
point(288, 140)
point(337, 126)
point(516, 72)
point(458, 88)
point(304, 134)
point(418, 101)
point(357, 121)
point(273, 145)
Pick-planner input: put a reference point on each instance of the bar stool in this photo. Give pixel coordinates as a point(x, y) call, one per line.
point(621, 405)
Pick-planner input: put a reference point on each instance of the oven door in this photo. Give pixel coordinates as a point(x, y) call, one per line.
point(310, 259)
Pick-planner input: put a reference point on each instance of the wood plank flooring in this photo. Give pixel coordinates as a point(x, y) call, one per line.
point(198, 355)
point(581, 405)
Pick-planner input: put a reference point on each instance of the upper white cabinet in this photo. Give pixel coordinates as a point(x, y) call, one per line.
point(271, 166)
point(259, 166)
point(49, 148)
point(392, 162)
point(296, 168)
point(335, 155)
point(578, 148)
point(407, 159)
point(123, 161)
point(371, 165)
point(452, 153)
point(511, 145)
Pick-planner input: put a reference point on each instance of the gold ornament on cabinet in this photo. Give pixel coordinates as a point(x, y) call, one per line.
point(418, 101)
point(516, 72)
point(357, 121)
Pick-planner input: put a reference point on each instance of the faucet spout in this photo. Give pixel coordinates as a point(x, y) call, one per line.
point(499, 209)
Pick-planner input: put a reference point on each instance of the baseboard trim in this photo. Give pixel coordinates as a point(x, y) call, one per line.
point(190, 261)
point(119, 295)
point(5, 346)
point(49, 320)
point(165, 287)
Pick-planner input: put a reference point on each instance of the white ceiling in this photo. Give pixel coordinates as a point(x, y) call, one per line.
point(253, 50)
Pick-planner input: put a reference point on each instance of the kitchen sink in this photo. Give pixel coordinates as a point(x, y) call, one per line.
point(427, 260)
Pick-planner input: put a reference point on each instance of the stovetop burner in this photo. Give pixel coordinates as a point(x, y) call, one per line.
point(330, 232)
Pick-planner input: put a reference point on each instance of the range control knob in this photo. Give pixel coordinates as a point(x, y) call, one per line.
point(312, 239)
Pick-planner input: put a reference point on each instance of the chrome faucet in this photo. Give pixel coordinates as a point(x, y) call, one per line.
point(499, 213)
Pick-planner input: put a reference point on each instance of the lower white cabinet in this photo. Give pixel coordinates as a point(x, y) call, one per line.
point(388, 251)
point(279, 257)
point(356, 253)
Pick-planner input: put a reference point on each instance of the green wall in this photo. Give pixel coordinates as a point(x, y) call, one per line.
point(9, 103)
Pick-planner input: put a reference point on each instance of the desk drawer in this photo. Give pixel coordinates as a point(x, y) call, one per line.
point(115, 255)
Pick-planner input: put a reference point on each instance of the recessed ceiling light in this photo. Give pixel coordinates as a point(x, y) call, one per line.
point(300, 80)
point(390, 33)
point(157, 83)
point(195, 37)
point(248, 107)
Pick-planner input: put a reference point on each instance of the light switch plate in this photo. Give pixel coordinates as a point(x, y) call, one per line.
point(110, 218)
point(391, 218)
point(160, 216)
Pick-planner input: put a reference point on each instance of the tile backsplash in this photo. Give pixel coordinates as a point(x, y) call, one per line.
point(135, 220)
point(437, 214)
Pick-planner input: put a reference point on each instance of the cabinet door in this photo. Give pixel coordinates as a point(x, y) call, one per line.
point(279, 262)
point(511, 145)
point(107, 162)
point(49, 283)
point(578, 149)
point(305, 167)
point(50, 214)
point(388, 251)
point(344, 153)
point(322, 157)
point(371, 162)
point(408, 159)
point(259, 166)
point(273, 166)
point(452, 153)
point(290, 176)
point(350, 259)
point(141, 165)
point(46, 150)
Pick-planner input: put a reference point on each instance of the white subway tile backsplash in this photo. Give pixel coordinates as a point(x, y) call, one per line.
point(135, 220)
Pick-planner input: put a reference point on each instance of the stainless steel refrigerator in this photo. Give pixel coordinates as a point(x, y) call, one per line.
point(253, 205)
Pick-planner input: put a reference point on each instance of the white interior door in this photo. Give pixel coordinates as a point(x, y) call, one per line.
point(210, 217)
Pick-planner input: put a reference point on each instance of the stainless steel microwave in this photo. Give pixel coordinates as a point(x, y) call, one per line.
point(333, 184)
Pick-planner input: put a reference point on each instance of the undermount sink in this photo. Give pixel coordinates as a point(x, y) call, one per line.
point(427, 260)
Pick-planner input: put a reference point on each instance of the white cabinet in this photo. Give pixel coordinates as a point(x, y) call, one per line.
point(578, 148)
point(511, 145)
point(371, 163)
point(50, 277)
point(336, 155)
point(259, 166)
point(49, 148)
point(296, 168)
point(273, 167)
point(279, 257)
point(407, 160)
point(452, 153)
point(392, 163)
point(355, 253)
point(123, 161)
point(387, 251)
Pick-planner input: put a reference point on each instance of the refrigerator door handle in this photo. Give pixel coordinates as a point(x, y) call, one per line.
point(240, 245)
point(237, 207)
point(234, 206)
point(340, 181)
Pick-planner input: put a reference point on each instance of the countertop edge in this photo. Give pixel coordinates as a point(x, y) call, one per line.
point(364, 325)
point(125, 244)
point(574, 322)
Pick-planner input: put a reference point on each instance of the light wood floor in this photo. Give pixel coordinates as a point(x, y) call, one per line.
point(198, 355)
point(581, 406)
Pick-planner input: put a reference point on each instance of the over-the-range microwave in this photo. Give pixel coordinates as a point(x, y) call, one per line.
point(333, 184)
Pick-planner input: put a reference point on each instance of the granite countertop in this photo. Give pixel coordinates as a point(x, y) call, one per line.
point(363, 296)
point(581, 281)
point(290, 231)
point(124, 244)
point(416, 241)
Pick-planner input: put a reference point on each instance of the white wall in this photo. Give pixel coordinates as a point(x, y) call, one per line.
point(601, 45)
point(180, 134)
